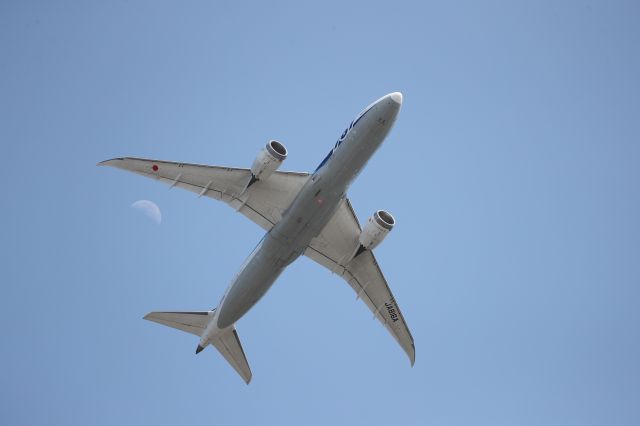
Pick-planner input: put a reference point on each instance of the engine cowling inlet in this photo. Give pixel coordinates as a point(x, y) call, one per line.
point(377, 228)
point(268, 161)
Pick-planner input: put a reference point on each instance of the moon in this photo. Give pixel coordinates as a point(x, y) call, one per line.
point(150, 209)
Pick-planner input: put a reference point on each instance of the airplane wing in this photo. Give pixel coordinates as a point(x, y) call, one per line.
point(263, 202)
point(333, 249)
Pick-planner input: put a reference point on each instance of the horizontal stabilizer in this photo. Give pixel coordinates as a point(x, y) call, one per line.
point(228, 344)
point(191, 322)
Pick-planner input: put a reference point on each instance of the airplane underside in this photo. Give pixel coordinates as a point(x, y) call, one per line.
point(303, 214)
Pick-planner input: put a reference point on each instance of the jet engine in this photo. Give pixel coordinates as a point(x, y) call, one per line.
point(268, 160)
point(376, 229)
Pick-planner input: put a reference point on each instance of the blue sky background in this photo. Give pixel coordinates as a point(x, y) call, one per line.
point(513, 172)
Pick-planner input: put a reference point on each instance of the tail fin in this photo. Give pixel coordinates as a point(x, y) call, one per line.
point(227, 343)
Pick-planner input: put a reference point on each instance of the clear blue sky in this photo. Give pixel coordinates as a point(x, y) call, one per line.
point(513, 172)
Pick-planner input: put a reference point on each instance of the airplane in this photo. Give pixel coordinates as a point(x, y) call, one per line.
point(303, 214)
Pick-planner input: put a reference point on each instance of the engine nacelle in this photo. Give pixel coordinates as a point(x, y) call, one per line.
point(376, 229)
point(268, 160)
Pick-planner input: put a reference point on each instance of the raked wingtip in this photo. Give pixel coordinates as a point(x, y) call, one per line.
point(412, 356)
point(109, 162)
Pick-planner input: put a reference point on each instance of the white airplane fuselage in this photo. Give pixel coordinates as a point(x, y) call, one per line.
point(307, 215)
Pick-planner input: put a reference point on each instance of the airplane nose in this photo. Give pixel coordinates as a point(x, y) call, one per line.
point(396, 97)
